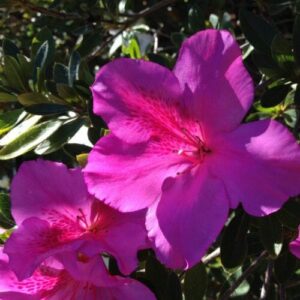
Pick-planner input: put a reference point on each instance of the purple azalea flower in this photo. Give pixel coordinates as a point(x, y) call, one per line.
point(55, 214)
point(178, 148)
point(295, 245)
point(70, 277)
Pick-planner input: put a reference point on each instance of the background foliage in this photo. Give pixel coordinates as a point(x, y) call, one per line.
point(50, 52)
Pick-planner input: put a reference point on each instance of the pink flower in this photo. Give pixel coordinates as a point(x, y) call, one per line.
point(70, 278)
point(55, 214)
point(177, 146)
point(295, 245)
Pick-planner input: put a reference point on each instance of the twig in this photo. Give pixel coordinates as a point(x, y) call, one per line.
point(48, 12)
point(244, 276)
point(211, 256)
point(266, 284)
point(282, 293)
point(135, 17)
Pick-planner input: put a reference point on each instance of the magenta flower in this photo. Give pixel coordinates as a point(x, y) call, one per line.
point(295, 245)
point(177, 146)
point(70, 278)
point(55, 214)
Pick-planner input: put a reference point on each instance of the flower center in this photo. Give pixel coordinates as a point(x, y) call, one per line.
point(195, 149)
point(96, 224)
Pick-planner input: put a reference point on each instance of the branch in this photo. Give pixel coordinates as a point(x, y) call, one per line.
point(211, 256)
point(134, 18)
point(244, 276)
point(266, 284)
point(48, 12)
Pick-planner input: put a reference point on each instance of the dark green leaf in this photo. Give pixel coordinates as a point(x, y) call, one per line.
point(157, 274)
point(284, 266)
point(270, 231)
point(66, 92)
point(9, 119)
point(274, 95)
point(296, 38)
point(47, 109)
point(85, 74)
point(266, 64)
point(19, 129)
point(41, 37)
point(6, 219)
point(177, 38)
point(26, 66)
point(89, 43)
point(13, 73)
point(289, 214)
point(59, 138)
point(9, 48)
point(282, 54)
point(74, 64)
point(5, 97)
point(195, 282)
point(296, 97)
point(113, 267)
point(173, 289)
point(234, 245)
point(60, 74)
point(258, 31)
point(29, 139)
point(165, 283)
point(28, 99)
point(196, 18)
point(40, 62)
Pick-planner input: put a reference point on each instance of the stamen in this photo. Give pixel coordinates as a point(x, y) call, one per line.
point(82, 218)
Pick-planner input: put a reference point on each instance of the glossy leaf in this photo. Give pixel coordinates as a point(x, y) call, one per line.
point(13, 73)
point(9, 48)
point(59, 138)
point(195, 282)
point(257, 30)
point(60, 73)
point(28, 99)
point(274, 95)
point(47, 109)
point(41, 60)
point(29, 139)
point(234, 245)
point(284, 266)
point(282, 54)
point(165, 283)
point(5, 97)
point(271, 234)
point(296, 38)
point(73, 70)
point(19, 129)
point(9, 119)
point(6, 219)
point(289, 214)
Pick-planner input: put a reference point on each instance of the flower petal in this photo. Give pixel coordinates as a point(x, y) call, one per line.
point(295, 246)
point(128, 177)
point(121, 235)
point(191, 213)
point(210, 66)
point(135, 98)
point(41, 186)
point(259, 164)
point(30, 289)
point(32, 243)
point(105, 285)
